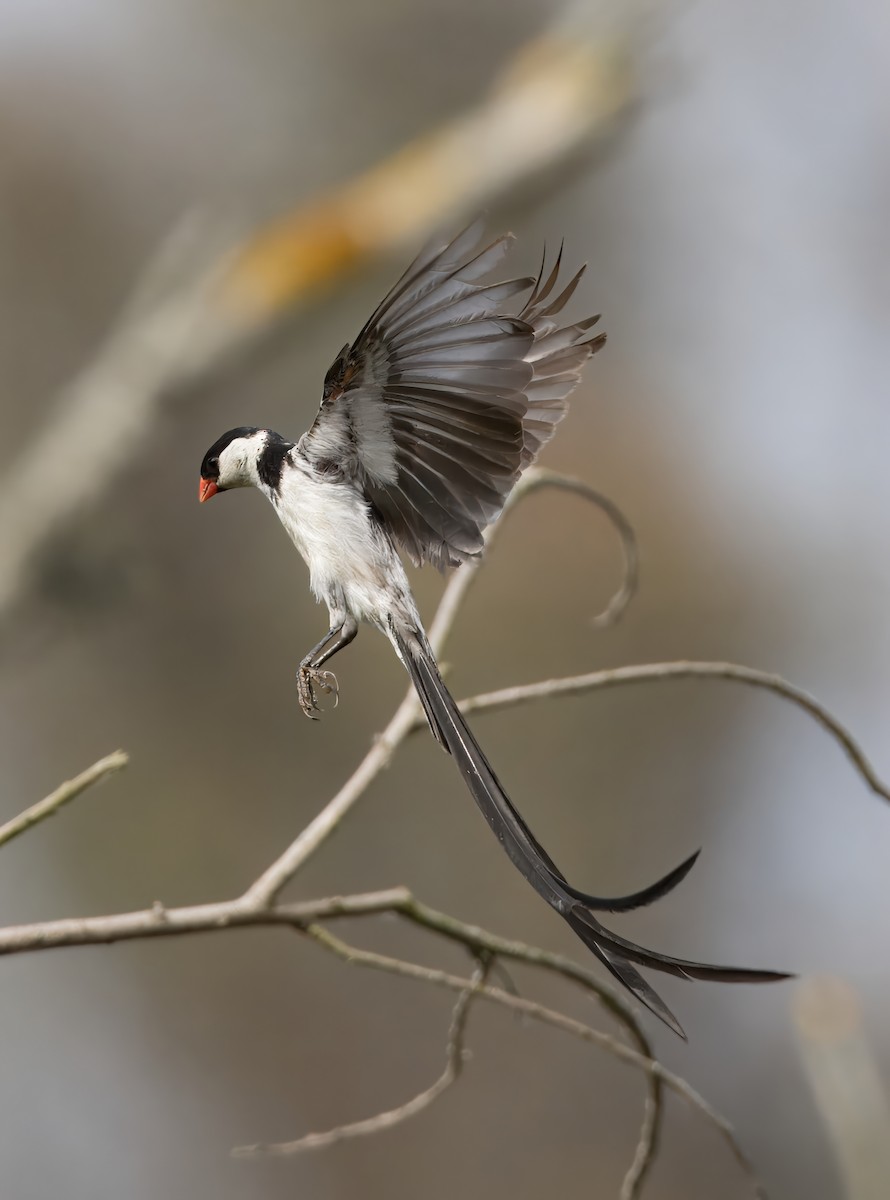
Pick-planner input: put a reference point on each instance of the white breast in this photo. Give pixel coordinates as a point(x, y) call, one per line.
point(352, 568)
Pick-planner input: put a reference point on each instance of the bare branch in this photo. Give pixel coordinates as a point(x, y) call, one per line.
point(239, 913)
point(534, 480)
point(354, 956)
point(258, 906)
point(159, 921)
point(454, 1063)
point(578, 685)
point(67, 791)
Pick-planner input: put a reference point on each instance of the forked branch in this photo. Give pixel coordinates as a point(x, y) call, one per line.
point(260, 904)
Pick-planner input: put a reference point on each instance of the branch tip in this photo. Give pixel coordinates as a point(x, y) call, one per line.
point(64, 793)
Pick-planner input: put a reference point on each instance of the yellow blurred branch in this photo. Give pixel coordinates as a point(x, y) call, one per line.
point(212, 288)
point(554, 97)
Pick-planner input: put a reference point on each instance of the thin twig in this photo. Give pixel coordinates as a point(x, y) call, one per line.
point(540, 477)
point(647, 1143)
point(577, 685)
point(548, 1016)
point(481, 940)
point(537, 479)
point(67, 791)
point(454, 1063)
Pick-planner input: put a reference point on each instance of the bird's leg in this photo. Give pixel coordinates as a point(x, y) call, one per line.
point(310, 676)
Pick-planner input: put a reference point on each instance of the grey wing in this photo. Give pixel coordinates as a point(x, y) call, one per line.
point(447, 395)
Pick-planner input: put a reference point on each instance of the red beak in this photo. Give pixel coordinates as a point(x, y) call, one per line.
point(206, 489)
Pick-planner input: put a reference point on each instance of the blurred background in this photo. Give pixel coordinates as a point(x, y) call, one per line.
point(732, 207)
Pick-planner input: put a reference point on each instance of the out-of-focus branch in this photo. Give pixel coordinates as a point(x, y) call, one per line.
point(847, 1087)
point(67, 791)
point(214, 288)
point(561, 90)
point(100, 419)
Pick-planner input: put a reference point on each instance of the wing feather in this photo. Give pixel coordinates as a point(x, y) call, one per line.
point(448, 393)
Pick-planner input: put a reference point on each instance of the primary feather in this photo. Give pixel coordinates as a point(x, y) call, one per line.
point(446, 395)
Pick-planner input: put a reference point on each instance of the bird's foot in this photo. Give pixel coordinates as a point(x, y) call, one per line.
point(308, 679)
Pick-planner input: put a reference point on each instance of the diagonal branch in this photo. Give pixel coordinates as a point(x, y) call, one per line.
point(67, 791)
point(214, 288)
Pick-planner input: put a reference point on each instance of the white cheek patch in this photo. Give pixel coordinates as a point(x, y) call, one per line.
point(235, 464)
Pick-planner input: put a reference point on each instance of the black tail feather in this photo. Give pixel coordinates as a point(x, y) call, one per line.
point(616, 953)
point(647, 895)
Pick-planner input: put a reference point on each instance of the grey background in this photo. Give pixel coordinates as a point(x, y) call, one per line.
point(736, 235)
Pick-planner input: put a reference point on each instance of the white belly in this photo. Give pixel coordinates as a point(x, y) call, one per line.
point(353, 569)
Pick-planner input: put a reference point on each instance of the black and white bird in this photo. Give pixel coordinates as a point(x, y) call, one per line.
point(426, 422)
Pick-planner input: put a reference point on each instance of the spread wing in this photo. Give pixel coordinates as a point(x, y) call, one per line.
point(448, 393)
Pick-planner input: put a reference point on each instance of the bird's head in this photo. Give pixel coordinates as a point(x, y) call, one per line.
point(231, 461)
point(243, 457)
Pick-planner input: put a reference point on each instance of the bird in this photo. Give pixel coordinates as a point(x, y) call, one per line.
point(427, 420)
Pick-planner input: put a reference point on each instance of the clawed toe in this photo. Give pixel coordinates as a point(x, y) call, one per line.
point(327, 682)
point(310, 678)
point(306, 696)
